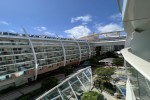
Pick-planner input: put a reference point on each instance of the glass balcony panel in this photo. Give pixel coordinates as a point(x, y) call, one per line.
point(132, 74)
point(88, 73)
point(85, 81)
point(58, 98)
point(139, 84)
point(64, 86)
point(67, 94)
point(143, 87)
point(71, 88)
point(52, 95)
point(77, 86)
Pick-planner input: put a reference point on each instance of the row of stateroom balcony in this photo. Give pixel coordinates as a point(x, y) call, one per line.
point(33, 36)
point(11, 74)
point(6, 72)
point(42, 44)
point(40, 62)
point(25, 51)
point(43, 56)
point(10, 60)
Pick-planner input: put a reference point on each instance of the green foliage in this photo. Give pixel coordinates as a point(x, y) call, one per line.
point(104, 85)
point(104, 73)
point(92, 95)
point(98, 49)
point(109, 54)
point(98, 83)
point(118, 61)
point(67, 70)
point(94, 60)
point(108, 85)
point(102, 80)
point(86, 63)
point(49, 83)
point(109, 91)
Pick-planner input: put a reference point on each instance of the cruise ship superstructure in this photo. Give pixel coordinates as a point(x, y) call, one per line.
point(136, 19)
point(23, 57)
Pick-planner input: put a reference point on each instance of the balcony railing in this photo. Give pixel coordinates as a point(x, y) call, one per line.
point(72, 87)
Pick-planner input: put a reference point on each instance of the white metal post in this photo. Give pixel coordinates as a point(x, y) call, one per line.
point(81, 83)
point(78, 47)
point(89, 48)
point(60, 93)
point(72, 90)
point(34, 55)
point(86, 76)
point(90, 71)
point(88, 80)
point(64, 51)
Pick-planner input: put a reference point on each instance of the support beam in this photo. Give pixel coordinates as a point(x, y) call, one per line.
point(81, 83)
point(34, 55)
point(89, 49)
point(64, 51)
point(86, 77)
point(72, 90)
point(78, 47)
point(60, 94)
point(90, 71)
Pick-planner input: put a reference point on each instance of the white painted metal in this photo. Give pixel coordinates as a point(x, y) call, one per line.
point(78, 47)
point(90, 71)
point(34, 55)
point(74, 75)
point(64, 52)
point(86, 77)
point(89, 49)
point(60, 94)
point(72, 90)
point(129, 92)
point(141, 65)
point(81, 83)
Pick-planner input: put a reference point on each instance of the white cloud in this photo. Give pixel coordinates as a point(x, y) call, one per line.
point(40, 29)
point(43, 28)
point(61, 36)
point(52, 34)
point(108, 28)
point(49, 34)
point(12, 31)
point(84, 19)
point(78, 31)
point(4, 23)
point(116, 17)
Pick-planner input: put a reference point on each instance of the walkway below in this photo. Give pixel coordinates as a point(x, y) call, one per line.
point(106, 95)
point(19, 92)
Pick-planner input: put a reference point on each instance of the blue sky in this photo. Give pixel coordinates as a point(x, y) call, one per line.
point(67, 18)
